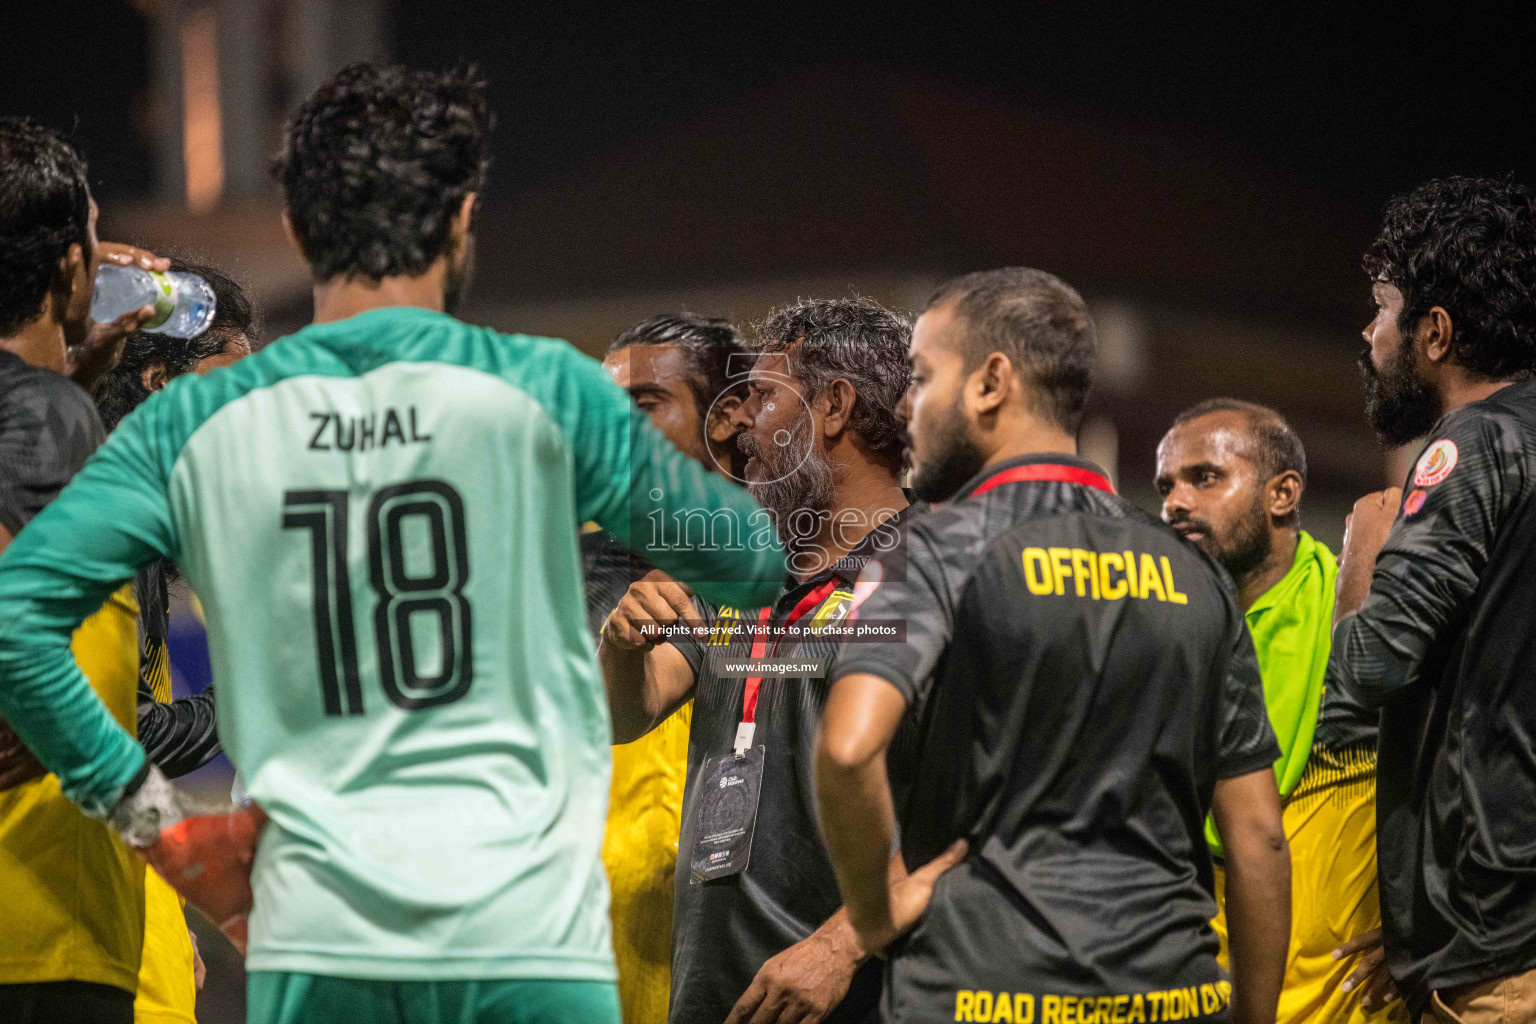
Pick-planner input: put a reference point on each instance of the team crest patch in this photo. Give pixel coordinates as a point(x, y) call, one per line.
point(1436, 463)
point(834, 610)
point(1415, 502)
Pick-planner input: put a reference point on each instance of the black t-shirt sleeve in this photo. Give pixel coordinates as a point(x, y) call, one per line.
point(689, 646)
point(1430, 565)
point(1245, 741)
point(48, 428)
point(919, 597)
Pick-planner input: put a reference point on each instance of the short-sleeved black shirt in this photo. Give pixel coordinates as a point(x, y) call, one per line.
point(1445, 646)
point(1075, 716)
point(724, 930)
point(48, 428)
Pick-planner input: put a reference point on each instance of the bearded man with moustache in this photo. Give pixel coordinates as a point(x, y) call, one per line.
point(758, 930)
point(1087, 692)
point(1231, 475)
point(1434, 613)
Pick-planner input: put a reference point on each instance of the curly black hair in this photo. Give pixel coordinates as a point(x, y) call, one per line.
point(376, 163)
point(234, 315)
point(1039, 322)
point(45, 207)
point(1467, 245)
point(856, 339)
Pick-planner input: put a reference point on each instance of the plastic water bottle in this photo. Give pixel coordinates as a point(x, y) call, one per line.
point(184, 304)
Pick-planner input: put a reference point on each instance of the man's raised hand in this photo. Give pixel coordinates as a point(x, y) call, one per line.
point(655, 602)
point(96, 355)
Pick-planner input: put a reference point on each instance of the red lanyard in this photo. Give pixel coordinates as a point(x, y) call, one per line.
point(1048, 472)
point(760, 648)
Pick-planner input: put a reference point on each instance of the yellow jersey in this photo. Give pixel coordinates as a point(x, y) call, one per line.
point(1330, 823)
point(73, 893)
point(167, 985)
point(645, 806)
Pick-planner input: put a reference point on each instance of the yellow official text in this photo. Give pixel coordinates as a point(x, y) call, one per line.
point(1188, 1003)
point(1100, 575)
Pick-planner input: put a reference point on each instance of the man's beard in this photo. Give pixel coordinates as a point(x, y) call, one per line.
point(797, 481)
point(953, 458)
point(1248, 547)
point(1399, 403)
point(461, 274)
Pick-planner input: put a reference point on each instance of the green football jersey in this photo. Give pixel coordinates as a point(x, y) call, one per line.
point(380, 516)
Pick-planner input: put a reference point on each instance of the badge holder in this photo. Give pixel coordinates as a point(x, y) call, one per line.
point(732, 785)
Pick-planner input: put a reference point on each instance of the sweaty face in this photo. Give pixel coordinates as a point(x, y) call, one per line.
point(657, 377)
point(940, 445)
point(1400, 404)
point(787, 469)
point(1213, 494)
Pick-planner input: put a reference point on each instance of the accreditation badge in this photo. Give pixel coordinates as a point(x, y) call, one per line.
point(727, 814)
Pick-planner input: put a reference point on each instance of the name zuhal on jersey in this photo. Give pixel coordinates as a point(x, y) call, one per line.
point(338, 433)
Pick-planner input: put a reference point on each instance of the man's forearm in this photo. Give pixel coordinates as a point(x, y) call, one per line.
point(858, 822)
point(838, 931)
point(836, 934)
point(644, 687)
point(1258, 892)
point(180, 736)
point(624, 677)
point(45, 697)
point(1354, 585)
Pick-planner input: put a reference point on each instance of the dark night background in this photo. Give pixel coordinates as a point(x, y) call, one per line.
point(1209, 182)
point(1358, 100)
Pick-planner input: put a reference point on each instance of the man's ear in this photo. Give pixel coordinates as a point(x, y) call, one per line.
point(1434, 333)
point(1282, 494)
point(292, 234)
point(463, 220)
point(154, 377)
point(72, 286)
point(988, 385)
point(720, 427)
point(839, 399)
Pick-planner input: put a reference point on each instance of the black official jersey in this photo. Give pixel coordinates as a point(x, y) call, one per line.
point(1445, 645)
point(1085, 678)
point(48, 428)
point(725, 929)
